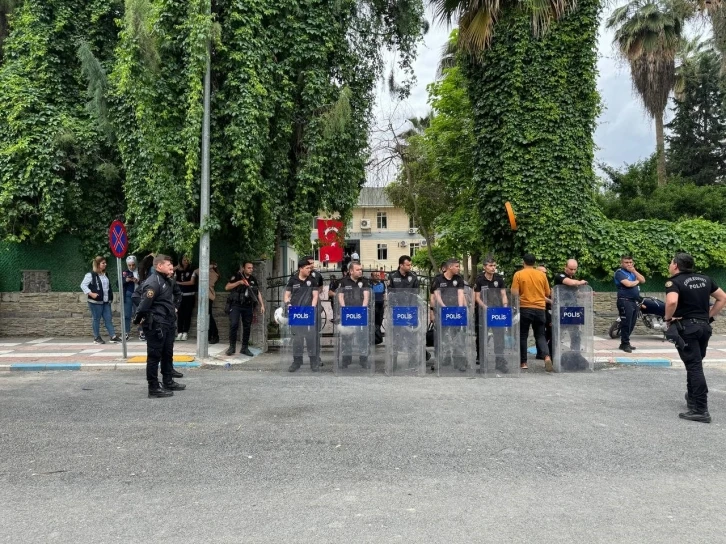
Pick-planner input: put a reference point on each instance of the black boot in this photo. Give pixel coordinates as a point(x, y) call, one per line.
point(176, 374)
point(693, 415)
point(174, 386)
point(296, 364)
point(159, 393)
point(231, 349)
point(314, 364)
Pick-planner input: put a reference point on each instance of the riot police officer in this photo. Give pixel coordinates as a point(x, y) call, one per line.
point(301, 290)
point(157, 314)
point(354, 290)
point(687, 311)
point(489, 279)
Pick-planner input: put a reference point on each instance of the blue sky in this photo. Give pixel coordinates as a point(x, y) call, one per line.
point(624, 134)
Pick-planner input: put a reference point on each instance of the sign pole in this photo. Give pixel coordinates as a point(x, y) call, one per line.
point(118, 241)
point(121, 307)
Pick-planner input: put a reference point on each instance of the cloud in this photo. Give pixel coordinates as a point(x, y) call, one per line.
point(624, 134)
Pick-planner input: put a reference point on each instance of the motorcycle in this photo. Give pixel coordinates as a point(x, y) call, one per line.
point(651, 313)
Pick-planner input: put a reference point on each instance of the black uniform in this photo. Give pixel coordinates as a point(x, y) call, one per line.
point(568, 296)
point(244, 299)
point(188, 293)
point(493, 292)
point(158, 307)
point(694, 293)
point(455, 337)
point(396, 280)
point(352, 292)
point(301, 294)
point(407, 339)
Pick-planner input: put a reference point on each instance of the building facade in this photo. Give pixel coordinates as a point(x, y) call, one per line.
point(380, 232)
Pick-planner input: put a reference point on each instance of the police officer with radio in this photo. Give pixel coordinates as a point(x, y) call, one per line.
point(156, 312)
point(245, 295)
point(687, 312)
point(403, 278)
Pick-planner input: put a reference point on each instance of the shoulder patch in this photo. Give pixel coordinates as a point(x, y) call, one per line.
point(669, 283)
point(150, 293)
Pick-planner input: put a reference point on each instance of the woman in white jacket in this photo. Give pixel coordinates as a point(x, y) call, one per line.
point(97, 288)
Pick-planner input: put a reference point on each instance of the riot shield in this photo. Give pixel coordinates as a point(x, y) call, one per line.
point(572, 328)
point(454, 334)
point(355, 336)
point(499, 334)
point(406, 322)
point(300, 348)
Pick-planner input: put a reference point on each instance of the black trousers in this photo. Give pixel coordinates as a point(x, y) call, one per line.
point(696, 336)
point(537, 320)
point(379, 314)
point(497, 337)
point(213, 330)
point(245, 314)
point(628, 310)
point(185, 314)
point(159, 349)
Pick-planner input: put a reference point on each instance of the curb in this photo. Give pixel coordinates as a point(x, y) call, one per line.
point(42, 367)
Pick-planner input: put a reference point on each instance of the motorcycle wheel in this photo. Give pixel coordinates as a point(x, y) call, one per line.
point(614, 331)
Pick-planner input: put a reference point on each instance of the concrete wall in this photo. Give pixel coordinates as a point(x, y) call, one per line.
point(67, 315)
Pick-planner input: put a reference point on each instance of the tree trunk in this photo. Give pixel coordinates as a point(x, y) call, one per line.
point(660, 150)
point(474, 267)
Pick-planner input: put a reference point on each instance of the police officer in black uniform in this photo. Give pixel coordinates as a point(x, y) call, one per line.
point(687, 312)
point(490, 280)
point(567, 278)
point(301, 290)
point(157, 314)
point(245, 295)
point(354, 290)
point(404, 279)
point(447, 289)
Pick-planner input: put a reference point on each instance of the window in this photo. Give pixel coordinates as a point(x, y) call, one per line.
point(411, 223)
point(382, 252)
point(413, 248)
point(381, 220)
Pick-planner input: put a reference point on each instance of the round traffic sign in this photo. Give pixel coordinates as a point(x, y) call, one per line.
point(118, 239)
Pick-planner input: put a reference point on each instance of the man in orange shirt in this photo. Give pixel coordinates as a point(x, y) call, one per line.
point(533, 289)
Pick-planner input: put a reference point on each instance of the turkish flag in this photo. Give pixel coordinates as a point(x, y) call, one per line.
point(331, 254)
point(328, 230)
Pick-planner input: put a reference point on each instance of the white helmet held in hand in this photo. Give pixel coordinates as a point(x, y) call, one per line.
point(280, 317)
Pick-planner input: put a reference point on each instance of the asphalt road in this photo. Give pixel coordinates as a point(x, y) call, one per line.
point(246, 457)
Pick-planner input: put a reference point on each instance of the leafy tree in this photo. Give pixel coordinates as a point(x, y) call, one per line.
point(648, 35)
point(58, 171)
point(696, 149)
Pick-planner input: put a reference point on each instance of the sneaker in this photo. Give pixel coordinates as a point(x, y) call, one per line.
point(115, 340)
point(178, 336)
point(184, 336)
point(128, 336)
point(692, 415)
point(98, 340)
point(627, 348)
point(142, 337)
point(523, 366)
point(548, 364)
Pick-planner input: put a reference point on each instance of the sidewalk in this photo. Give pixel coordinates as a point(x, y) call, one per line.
point(82, 354)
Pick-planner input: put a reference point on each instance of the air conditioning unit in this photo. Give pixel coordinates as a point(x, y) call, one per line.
point(413, 231)
point(402, 243)
point(365, 224)
point(424, 243)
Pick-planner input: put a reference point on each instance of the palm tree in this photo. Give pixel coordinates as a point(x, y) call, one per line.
point(648, 36)
point(476, 18)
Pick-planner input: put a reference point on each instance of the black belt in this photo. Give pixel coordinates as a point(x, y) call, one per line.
point(630, 299)
point(695, 320)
